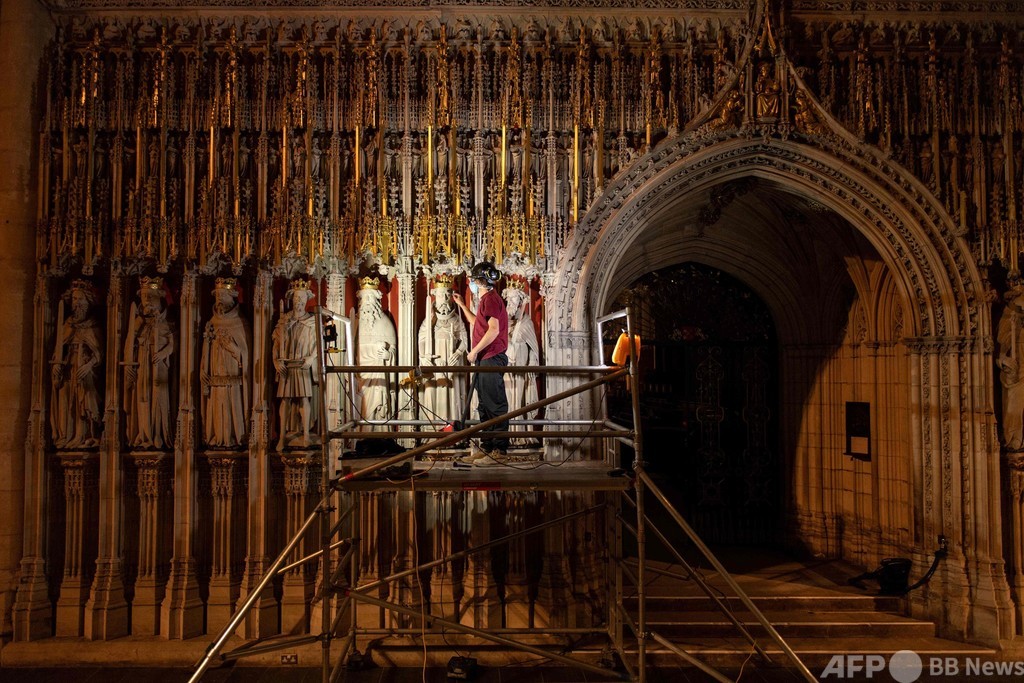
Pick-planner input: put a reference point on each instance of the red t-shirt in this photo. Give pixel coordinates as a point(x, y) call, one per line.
point(491, 306)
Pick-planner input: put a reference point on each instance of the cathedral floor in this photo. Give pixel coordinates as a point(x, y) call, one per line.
point(809, 602)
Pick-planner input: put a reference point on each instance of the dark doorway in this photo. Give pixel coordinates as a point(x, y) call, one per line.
point(709, 403)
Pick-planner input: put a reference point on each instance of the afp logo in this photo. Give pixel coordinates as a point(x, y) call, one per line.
point(904, 666)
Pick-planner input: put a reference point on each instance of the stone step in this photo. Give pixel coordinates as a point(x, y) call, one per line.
point(815, 653)
point(778, 603)
point(790, 624)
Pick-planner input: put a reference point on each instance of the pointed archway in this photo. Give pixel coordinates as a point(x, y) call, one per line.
point(950, 450)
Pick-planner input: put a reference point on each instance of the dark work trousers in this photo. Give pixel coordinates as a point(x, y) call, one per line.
point(490, 388)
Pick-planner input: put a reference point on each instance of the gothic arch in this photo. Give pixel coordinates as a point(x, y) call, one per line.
point(952, 454)
point(905, 224)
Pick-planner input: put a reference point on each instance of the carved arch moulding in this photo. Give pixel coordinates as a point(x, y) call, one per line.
point(937, 274)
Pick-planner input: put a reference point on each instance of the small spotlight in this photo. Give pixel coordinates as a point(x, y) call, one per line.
point(461, 668)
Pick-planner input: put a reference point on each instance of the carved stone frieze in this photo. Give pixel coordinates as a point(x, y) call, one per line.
point(566, 339)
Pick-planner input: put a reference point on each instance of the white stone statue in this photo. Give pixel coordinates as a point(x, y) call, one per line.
point(295, 356)
point(148, 379)
point(76, 408)
point(443, 340)
point(1011, 372)
point(523, 349)
point(224, 370)
point(377, 344)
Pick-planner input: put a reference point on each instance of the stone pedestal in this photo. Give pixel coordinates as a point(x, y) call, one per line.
point(408, 590)
point(80, 471)
point(301, 481)
point(32, 615)
point(376, 516)
point(442, 534)
point(153, 487)
point(182, 609)
point(554, 592)
point(516, 514)
point(481, 605)
point(227, 488)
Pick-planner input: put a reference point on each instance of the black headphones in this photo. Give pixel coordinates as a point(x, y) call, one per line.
point(486, 271)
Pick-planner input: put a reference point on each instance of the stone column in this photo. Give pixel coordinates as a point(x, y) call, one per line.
point(520, 510)
point(32, 611)
point(554, 592)
point(993, 615)
point(107, 611)
point(958, 470)
point(263, 617)
point(227, 488)
point(153, 483)
point(479, 187)
point(438, 527)
point(569, 347)
point(370, 529)
point(339, 407)
point(407, 530)
point(182, 612)
point(481, 606)
point(407, 333)
point(80, 470)
point(25, 30)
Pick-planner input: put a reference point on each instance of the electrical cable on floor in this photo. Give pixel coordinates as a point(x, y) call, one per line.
point(744, 665)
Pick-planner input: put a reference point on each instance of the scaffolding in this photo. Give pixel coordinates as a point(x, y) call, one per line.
point(623, 508)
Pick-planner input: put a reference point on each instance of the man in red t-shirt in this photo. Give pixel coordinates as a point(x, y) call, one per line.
point(490, 341)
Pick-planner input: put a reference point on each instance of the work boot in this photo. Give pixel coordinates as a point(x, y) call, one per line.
point(476, 454)
point(495, 456)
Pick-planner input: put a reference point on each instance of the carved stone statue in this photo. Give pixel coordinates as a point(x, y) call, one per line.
point(148, 376)
point(377, 344)
point(294, 349)
point(767, 89)
point(316, 155)
point(538, 159)
point(76, 411)
point(418, 150)
point(298, 158)
point(1011, 372)
point(224, 370)
point(81, 150)
point(516, 153)
point(463, 154)
point(441, 162)
point(523, 349)
point(370, 158)
point(487, 153)
point(392, 148)
point(805, 119)
point(729, 114)
point(443, 340)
